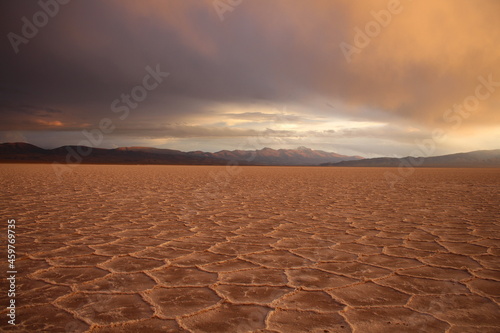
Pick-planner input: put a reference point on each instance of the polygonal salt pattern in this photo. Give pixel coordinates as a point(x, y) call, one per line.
point(168, 249)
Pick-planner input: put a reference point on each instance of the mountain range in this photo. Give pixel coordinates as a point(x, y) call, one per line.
point(474, 159)
point(28, 153)
point(20, 152)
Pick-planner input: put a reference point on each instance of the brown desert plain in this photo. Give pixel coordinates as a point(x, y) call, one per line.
point(115, 248)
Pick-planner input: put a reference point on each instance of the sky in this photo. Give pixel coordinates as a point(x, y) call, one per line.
point(370, 78)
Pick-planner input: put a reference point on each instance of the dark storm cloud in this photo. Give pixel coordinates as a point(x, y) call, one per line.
point(91, 52)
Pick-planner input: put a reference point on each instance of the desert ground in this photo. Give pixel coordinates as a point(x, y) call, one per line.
point(251, 249)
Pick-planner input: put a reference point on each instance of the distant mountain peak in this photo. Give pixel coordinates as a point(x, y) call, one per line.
point(269, 156)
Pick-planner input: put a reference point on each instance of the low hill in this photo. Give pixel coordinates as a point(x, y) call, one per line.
point(474, 159)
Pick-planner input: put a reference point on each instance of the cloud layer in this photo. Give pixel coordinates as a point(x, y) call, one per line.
point(267, 66)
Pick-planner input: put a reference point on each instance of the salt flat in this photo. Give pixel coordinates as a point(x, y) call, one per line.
point(265, 249)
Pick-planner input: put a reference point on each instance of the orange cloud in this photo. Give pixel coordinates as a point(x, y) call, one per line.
point(54, 123)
